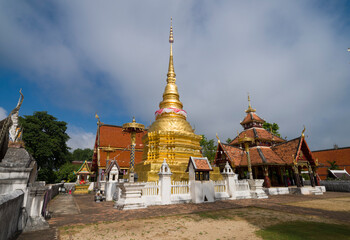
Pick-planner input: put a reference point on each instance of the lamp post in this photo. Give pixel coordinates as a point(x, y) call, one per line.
point(132, 128)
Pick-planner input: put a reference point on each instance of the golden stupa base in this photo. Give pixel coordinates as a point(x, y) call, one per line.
point(149, 172)
point(81, 189)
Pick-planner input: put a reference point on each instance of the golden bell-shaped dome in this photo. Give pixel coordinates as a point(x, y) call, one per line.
point(171, 116)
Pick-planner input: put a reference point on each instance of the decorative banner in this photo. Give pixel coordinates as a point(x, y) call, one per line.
point(171, 110)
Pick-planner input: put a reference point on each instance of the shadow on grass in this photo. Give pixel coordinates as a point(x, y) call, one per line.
point(305, 230)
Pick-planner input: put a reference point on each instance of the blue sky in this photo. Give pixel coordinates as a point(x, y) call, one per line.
point(75, 58)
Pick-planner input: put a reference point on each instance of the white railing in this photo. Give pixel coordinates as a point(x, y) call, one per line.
point(242, 185)
point(219, 186)
point(180, 187)
point(151, 189)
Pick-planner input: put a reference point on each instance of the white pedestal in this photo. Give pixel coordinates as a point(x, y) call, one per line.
point(130, 197)
point(256, 188)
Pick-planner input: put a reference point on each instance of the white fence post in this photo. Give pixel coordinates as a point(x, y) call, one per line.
point(165, 183)
point(229, 178)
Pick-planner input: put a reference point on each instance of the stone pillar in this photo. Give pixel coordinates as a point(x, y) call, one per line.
point(267, 182)
point(165, 183)
point(34, 206)
point(229, 178)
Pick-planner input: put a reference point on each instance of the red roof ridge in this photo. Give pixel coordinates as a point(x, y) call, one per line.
point(332, 149)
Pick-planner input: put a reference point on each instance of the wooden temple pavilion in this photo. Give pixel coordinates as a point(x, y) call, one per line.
point(259, 154)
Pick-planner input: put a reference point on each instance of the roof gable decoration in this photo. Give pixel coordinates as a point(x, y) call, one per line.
point(84, 169)
point(303, 151)
point(112, 166)
point(199, 164)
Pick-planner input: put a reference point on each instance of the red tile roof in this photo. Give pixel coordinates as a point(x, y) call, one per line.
point(280, 154)
point(252, 117)
point(287, 150)
point(257, 133)
point(234, 154)
point(113, 136)
point(341, 156)
point(200, 164)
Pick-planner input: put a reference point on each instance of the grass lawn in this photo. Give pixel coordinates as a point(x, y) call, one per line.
point(305, 230)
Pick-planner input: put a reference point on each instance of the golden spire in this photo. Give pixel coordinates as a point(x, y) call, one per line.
point(171, 72)
point(250, 109)
point(171, 97)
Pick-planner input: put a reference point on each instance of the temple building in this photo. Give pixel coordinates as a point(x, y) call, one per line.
point(170, 136)
point(259, 154)
point(113, 144)
point(338, 157)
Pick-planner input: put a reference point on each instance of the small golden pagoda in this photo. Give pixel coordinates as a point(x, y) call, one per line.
point(170, 136)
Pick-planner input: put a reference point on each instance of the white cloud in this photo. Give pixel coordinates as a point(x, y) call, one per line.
point(113, 56)
point(3, 113)
point(80, 138)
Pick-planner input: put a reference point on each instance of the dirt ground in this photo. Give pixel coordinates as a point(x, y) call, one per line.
point(223, 224)
point(79, 217)
point(332, 204)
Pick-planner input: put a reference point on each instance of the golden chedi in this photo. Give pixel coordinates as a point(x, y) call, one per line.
point(170, 136)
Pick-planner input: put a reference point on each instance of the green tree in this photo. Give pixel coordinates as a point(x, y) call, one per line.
point(46, 139)
point(333, 165)
point(81, 154)
point(208, 148)
point(228, 140)
point(273, 126)
point(66, 173)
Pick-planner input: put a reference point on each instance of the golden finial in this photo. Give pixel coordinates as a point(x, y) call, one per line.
point(218, 137)
point(133, 119)
point(98, 118)
point(171, 72)
point(171, 37)
point(250, 109)
point(302, 133)
point(171, 97)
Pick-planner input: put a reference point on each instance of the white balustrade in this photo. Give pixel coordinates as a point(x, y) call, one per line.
point(180, 187)
point(151, 189)
point(242, 185)
point(219, 186)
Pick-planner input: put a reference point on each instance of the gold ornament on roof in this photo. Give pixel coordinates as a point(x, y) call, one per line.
point(302, 133)
point(250, 109)
point(218, 137)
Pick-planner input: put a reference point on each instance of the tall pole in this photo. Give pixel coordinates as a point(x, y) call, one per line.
point(250, 172)
point(132, 152)
point(132, 128)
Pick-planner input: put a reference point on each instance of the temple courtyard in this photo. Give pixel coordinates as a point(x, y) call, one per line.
point(79, 217)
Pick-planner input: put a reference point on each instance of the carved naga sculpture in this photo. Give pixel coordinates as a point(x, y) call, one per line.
point(9, 126)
